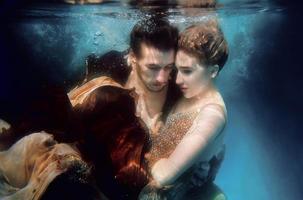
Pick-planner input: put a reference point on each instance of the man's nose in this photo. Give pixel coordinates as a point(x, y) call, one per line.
point(162, 76)
point(179, 79)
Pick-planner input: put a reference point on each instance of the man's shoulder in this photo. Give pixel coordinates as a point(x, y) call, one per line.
point(112, 64)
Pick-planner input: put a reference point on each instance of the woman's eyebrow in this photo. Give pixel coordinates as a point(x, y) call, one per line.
point(171, 64)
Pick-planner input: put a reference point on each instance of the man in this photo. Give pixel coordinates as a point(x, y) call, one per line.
point(147, 67)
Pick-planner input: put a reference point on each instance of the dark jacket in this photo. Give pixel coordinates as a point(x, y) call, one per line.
point(114, 65)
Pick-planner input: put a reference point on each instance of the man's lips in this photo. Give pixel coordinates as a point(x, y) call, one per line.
point(159, 84)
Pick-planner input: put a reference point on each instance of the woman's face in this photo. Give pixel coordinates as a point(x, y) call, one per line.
point(193, 78)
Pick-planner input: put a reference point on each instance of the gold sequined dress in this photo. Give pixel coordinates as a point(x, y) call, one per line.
point(177, 127)
point(162, 145)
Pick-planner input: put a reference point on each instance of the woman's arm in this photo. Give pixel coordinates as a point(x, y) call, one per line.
point(208, 124)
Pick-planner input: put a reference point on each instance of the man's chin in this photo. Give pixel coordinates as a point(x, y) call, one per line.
point(153, 88)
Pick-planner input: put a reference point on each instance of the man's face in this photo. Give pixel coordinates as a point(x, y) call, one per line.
point(154, 67)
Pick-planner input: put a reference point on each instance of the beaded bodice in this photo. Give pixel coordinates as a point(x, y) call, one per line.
point(164, 143)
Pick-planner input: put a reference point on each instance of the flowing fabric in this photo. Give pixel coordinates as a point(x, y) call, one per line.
point(78, 94)
point(31, 164)
point(111, 139)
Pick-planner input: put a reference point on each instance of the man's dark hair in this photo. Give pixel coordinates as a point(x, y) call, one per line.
point(155, 32)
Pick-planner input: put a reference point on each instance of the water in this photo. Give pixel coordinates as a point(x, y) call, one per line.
point(260, 82)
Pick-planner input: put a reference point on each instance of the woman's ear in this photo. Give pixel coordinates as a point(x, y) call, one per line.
point(214, 70)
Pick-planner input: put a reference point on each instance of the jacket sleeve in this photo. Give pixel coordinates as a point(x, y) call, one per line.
point(112, 64)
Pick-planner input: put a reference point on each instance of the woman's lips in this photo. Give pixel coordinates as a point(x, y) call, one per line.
point(183, 89)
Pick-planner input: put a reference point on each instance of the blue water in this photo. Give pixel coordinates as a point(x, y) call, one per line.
point(264, 158)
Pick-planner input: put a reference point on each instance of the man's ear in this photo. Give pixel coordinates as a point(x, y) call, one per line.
point(214, 70)
point(131, 59)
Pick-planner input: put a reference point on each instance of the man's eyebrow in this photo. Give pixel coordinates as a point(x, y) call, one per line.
point(159, 66)
point(184, 67)
point(153, 65)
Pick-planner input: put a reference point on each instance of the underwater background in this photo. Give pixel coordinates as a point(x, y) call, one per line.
point(261, 83)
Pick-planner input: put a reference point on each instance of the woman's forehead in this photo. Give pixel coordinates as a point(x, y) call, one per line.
point(184, 59)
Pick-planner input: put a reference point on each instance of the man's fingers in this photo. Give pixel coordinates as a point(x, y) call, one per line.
point(4, 126)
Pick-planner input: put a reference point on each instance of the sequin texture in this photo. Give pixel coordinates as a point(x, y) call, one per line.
point(176, 127)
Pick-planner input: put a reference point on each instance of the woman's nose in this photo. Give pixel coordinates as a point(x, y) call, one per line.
point(179, 79)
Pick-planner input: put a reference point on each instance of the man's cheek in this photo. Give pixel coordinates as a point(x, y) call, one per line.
point(147, 77)
point(150, 75)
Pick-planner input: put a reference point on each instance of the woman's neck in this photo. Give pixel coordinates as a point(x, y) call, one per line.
point(196, 102)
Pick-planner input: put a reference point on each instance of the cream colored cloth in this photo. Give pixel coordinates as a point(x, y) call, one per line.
point(31, 164)
point(78, 94)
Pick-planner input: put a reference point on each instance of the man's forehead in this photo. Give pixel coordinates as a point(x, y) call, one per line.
point(152, 55)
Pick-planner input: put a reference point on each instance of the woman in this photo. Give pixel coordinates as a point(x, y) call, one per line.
point(115, 140)
point(108, 140)
point(191, 141)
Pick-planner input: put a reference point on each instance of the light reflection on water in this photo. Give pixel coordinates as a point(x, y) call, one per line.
point(122, 11)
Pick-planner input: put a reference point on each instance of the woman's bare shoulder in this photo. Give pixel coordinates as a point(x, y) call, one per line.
point(213, 110)
point(215, 104)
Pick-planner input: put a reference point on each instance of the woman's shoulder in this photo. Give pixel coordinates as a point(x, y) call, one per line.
point(216, 107)
point(216, 104)
point(210, 120)
point(213, 110)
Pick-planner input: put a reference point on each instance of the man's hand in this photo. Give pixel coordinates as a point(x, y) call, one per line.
point(4, 126)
